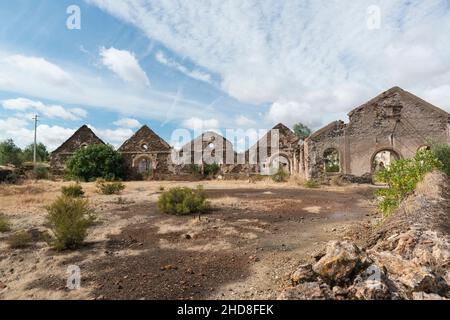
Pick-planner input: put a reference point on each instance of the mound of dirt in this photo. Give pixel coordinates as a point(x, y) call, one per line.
point(408, 257)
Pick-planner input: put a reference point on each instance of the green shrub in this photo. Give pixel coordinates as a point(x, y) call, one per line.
point(442, 153)
point(312, 183)
point(108, 188)
point(74, 191)
point(12, 178)
point(183, 201)
point(402, 177)
point(211, 170)
point(195, 169)
point(281, 175)
point(20, 240)
point(96, 161)
point(69, 219)
point(40, 172)
point(10, 153)
point(5, 226)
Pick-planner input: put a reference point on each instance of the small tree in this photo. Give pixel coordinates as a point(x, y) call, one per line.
point(96, 161)
point(10, 153)
point(302, 131)
point(42, 154)
point(402, 177)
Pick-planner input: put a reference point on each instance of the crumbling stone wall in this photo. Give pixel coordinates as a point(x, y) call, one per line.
point(146, 155)
point(396, 121)
point(83, 137)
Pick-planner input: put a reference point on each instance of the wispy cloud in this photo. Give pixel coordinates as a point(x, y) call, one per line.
point(304, 52)
point(194, 74)
point(49, 111)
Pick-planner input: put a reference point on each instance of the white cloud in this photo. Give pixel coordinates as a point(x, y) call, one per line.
point(114, 136)
point(128, 123)
point(291, 112)
point(195, 74)
point(49, 111)
point(39, 68)
point(87, 89)
point(22, 134)
point(296, 51)
point(199, 124)
point(125, 65)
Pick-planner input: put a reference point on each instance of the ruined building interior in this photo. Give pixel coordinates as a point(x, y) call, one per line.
point(394, 125)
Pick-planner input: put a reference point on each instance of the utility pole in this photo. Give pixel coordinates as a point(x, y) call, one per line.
point(35, 134)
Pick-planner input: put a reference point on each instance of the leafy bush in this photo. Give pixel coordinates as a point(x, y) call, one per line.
point(69, 220)
point(281, 175)
point(12, 178)
point(96, 161)
point(42, 154)
point(195, 169)
point(312, 183)
point(10, 153)
point(73, 191)
point(5, 226)
point(20, 240)
point(442, 153)
point(210, 170)
point(40, 172)
point(183, 201)
point(402, 177)
point(109, 187)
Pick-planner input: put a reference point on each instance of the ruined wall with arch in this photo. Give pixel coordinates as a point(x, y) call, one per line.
point(396, 120)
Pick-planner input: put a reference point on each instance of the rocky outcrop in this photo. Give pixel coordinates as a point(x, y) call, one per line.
point(407, 258)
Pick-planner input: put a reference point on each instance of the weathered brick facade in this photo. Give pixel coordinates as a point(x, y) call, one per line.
point(146, 155)
point(395, 124)
point(395, 121)
point(83, 137)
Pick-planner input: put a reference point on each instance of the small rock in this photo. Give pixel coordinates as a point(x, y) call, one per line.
point(342, 259)
point(304, 273)
point(307, 291)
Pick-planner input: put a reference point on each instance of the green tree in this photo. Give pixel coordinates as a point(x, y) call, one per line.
point(10, 153)
point(442, 152)
point(42, 154)
point(96, 161)
point(302, 131)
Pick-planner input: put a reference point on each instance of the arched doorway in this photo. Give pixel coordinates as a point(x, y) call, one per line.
point(144, 165)
point(279, 161)
point(331, 161)
point(383, 159)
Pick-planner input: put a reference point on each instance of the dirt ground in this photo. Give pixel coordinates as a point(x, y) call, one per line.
point(244, 248)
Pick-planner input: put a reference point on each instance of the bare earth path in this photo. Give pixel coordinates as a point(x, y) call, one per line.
point(243, 249)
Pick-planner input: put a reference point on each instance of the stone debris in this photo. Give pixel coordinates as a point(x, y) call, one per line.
point(410, 261)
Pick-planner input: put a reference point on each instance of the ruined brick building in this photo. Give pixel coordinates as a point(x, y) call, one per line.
point(393, 125)
point(82, 138)
point(146, 154)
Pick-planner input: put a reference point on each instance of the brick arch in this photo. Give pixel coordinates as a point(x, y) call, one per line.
point(397, 154)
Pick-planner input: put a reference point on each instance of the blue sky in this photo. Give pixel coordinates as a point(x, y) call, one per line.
point(211, 65)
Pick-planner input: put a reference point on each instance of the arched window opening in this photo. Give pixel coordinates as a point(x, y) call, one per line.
point(383, 159)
